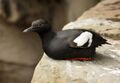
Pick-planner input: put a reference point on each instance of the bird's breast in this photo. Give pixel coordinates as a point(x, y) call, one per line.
point(56, 46)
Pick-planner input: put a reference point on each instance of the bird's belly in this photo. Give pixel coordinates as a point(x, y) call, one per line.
point(60, 50)
point(57, 49)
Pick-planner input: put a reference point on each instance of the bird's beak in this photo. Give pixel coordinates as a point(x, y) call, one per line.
point(28, 29)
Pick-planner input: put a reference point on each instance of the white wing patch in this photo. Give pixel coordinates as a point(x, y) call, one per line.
point(83, 38)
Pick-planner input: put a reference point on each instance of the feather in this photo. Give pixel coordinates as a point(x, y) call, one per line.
point(83, 38)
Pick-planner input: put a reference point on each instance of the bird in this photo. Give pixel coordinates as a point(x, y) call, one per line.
point(70, 44)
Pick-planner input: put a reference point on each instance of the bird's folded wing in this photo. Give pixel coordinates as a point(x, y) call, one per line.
point(84, 40)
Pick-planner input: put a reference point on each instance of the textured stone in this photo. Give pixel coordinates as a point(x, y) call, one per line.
point(107, 28)
point(106, 9)
point(104, 18)
point(104, 69)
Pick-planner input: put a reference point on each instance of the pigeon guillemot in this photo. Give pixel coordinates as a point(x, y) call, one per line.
point(72, 44)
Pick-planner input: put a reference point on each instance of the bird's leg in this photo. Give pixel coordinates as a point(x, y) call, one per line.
point(81, 59)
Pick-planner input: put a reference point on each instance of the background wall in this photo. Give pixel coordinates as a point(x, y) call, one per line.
point(77, 7)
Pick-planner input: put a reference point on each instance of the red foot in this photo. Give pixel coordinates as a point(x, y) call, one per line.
point(81, 59)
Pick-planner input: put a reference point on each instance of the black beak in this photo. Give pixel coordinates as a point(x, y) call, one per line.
point(28, 30)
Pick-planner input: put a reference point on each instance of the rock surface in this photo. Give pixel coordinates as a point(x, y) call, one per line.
point(104, 27)
point(106, 9)
point(104, 69)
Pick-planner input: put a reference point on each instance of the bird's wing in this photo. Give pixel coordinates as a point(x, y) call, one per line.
point(83, 40)
point(98, 40)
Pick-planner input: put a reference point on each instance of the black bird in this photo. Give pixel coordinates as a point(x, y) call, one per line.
point(72, 44)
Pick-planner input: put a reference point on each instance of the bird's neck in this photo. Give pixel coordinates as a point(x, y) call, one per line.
point(47, 36)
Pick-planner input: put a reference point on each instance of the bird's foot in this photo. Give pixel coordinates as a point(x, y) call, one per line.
point(81, 59)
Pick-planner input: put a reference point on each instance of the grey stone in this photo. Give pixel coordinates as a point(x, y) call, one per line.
point(104, 27)
point(106, 9)
point(104, 69)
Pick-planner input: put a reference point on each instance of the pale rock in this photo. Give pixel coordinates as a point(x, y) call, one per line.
point(106, 9)
point(104, 27)
point(104, 69)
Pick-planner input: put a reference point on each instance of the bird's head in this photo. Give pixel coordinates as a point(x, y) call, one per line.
point(39, 26)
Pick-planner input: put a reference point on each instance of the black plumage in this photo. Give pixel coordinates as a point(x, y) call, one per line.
point(60, 45)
